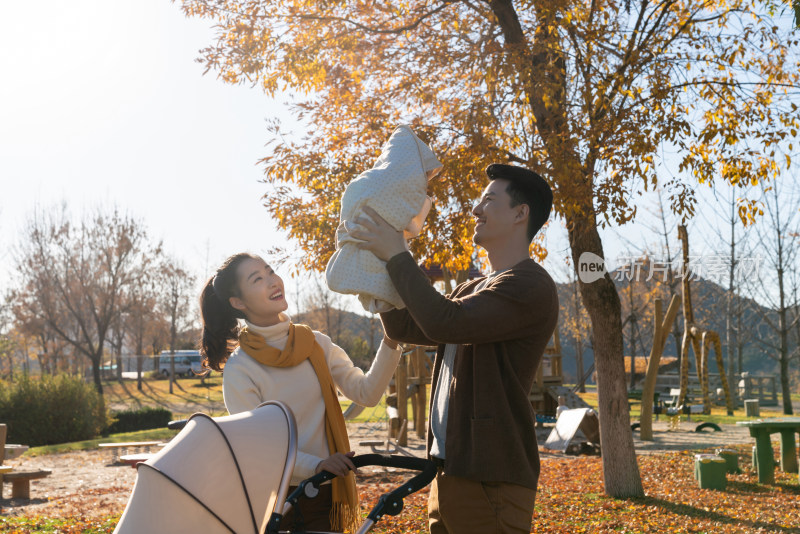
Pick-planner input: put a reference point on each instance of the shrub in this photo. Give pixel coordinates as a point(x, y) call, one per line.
point(51, 409)
point(142, 419)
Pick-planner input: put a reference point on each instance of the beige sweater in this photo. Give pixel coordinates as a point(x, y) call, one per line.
point(247, 383)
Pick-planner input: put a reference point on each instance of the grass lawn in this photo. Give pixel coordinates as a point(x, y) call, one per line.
point(718, 415)
point(190, 396)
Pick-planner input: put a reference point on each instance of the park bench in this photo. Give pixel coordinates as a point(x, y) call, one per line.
point(687, 408)
point(21, 482)
point(635, 396)
point(121, 448)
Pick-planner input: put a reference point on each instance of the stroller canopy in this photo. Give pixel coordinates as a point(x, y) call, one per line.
point(217, 475)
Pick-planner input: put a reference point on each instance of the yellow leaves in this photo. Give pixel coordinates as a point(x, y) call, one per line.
point(748, 210)
point(450, 74)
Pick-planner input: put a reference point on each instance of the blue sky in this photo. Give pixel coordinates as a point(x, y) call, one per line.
point(102, 102)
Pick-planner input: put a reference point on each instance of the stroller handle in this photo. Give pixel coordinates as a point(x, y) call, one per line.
point(388, 504)
point(178, 424)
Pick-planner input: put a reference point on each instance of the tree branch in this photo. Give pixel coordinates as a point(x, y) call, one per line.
point(411, 26)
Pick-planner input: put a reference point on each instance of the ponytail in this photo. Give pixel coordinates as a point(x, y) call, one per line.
point(220, 334)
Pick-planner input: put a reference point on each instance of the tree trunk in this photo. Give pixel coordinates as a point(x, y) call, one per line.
point(139, 367)
point(578, 337)
point(786, 390)
point(98, 381)
point(579, 365)
point(542, 68)
point(620, 469)
point(783, 329)
point(729, 334)
point(139, 360)
point(173, 336)
point(633, 334)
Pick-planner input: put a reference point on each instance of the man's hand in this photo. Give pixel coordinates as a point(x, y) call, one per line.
point(389, 342)
point(339, 464)
point(378, 236)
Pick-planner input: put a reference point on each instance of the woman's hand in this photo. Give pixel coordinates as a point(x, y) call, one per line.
point(339, 464)
point(391, 343)
point(378, 236)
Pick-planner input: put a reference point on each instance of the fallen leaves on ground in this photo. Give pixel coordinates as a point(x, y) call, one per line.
point(571, 500)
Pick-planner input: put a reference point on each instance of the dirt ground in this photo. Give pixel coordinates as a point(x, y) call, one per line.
point(82, 484)
point(89, 484)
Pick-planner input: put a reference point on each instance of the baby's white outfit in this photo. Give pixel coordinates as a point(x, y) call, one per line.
point(396, 187)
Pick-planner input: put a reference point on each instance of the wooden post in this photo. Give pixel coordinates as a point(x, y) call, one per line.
point(3, 434)
point(662, 328)
point(413, 385)
point(712, 338)
point(422, 394)
point(401, 383)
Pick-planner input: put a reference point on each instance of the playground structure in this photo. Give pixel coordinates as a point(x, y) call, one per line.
point(549, 385)
point(700, 341)
point(411, 379)
point(409, 385)
point(408, 392)
point(659, 340)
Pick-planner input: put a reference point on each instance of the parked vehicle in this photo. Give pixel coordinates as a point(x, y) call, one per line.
point(187, 363)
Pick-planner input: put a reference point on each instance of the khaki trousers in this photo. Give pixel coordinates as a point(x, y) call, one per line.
point(462, 506)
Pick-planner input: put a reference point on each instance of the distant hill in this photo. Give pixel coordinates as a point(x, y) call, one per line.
point(360, 335)
point(709, 303)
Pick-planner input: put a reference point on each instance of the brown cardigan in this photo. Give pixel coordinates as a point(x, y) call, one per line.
point(502, 331)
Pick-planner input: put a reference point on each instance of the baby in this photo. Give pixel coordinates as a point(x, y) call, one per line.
point(396, 187)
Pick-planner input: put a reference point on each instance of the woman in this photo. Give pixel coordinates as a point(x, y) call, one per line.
point(279, 360)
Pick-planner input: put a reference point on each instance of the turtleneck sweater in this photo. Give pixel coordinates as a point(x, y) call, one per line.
point(247, 383)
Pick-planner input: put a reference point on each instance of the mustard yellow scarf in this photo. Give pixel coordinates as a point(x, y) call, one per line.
point(300, 346)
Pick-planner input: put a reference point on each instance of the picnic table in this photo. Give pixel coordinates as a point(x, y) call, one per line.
point(761, 429)
point(14, 450)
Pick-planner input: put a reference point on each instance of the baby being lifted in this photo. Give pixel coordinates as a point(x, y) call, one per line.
point(395, 187)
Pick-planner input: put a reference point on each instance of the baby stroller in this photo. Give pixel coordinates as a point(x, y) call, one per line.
point(231, 475)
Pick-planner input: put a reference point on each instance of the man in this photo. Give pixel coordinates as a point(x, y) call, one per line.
point(491, 334)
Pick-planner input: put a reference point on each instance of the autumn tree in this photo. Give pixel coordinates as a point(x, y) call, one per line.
point(75, 273)
point(7, 343)
point(573, 325)
point(584, 92)
point(323, 309)
point(144, 319)
point(722, 221)
point(50, 350)
point(640, 279)
point(176, 292)
point(772, 282)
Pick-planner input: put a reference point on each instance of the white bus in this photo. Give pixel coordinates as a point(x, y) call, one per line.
point(187, 363)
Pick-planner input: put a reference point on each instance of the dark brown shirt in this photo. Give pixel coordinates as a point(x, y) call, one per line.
point(502, 331)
